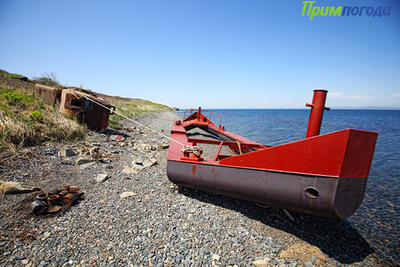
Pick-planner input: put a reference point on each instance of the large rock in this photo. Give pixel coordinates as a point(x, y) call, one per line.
point(142, 162)
point(305, 253)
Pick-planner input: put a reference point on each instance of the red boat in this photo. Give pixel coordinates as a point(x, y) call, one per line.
point(323, 175)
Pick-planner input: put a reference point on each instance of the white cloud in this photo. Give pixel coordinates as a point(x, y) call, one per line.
point(396, 95)
point(342, 96)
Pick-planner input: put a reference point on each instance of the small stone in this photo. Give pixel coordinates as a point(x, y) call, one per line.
point(118, 138)
point(67, 162)
point(261, 263)
point(129, 170)
point(87, 165)
point(24, 262)
point(127, 194)
point(308, 264)
point(83, 160)
point(18, 258)
point(102, 177)
point(66, 152)
point(149, 162)
point(165, 145)
point(215, 257)
point(46, 235)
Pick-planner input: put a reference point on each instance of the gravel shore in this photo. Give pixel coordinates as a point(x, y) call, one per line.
point(159, 224)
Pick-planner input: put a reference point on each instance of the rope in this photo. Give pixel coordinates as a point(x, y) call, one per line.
point(129, 119)
point(195, 149)
point(240, 149)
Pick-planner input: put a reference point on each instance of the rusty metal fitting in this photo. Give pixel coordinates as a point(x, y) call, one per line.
point(53, 200)
point(64, 192)
point(74, 189)
point(67, 201)
point(66, 187)
point(54, 209)
point(42, 196)
point(54, 191)
point(39, 207)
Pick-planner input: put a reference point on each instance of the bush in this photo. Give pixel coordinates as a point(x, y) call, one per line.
point(12, 97)
point(49, 79)
point(37, 115)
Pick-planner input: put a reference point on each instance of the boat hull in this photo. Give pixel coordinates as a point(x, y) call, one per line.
point(333, 197)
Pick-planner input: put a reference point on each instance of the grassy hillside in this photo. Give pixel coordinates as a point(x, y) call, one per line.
point(27, 120)
point(131, 107)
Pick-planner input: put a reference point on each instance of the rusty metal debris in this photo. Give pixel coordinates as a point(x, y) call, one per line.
point(39, 207)
point(76, 102)
point(56, 200)
point(85, 111)
point(49, 95)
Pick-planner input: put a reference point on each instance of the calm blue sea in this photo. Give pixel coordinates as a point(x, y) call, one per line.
point(378, 218)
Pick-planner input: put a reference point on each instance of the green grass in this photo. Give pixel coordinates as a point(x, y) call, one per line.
point(10, 75)
point(131, 107)
point(115, 121)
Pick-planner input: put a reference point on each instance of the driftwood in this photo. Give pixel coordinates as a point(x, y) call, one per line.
point(15, 188)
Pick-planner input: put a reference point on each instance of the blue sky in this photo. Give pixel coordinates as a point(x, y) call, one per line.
point(214, 54)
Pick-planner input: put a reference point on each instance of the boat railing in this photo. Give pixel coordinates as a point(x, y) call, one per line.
point(211, 115)
point(235, 146)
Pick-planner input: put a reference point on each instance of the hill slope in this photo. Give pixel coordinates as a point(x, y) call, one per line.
point(27, 120)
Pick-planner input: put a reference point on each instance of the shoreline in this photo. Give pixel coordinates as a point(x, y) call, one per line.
point(160, 224)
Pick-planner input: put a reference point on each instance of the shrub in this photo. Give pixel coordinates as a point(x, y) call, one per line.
point(37, 115)
point(49, 79)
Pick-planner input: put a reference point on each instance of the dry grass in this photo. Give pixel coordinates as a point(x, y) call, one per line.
point(25, 120)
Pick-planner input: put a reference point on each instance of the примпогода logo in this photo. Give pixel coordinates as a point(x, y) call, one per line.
point(311, 10)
